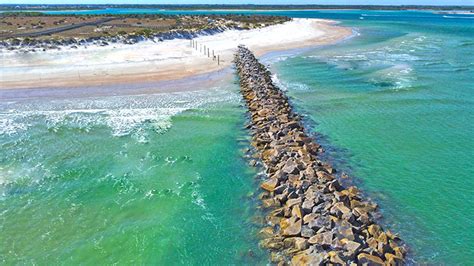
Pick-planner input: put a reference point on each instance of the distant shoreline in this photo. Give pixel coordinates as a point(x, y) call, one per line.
point(78, 7)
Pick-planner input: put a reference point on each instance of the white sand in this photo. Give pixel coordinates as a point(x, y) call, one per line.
point(149, 61)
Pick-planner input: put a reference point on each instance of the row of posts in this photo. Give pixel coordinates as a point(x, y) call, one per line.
point(205, 50)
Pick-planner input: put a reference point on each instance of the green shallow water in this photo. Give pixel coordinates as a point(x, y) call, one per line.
point(394, 106)
point(129, 180)
point(161, 179)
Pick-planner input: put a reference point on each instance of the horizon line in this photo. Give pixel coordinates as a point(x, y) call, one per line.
point(321, 5)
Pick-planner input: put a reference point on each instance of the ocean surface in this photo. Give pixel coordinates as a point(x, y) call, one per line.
point(160, 178)
point(145, 179)
point(395, 104)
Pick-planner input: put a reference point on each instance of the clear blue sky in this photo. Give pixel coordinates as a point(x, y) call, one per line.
point(342, 2)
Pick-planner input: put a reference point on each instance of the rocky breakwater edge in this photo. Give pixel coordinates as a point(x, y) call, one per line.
point(311, 217)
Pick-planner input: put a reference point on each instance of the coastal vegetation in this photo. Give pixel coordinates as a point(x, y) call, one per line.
point(41, 31)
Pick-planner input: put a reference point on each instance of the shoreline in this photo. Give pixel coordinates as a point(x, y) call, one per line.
point(149, 62)
point(201, 82)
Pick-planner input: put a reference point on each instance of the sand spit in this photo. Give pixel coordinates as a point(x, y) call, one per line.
point(150, 61)
point(312, 218)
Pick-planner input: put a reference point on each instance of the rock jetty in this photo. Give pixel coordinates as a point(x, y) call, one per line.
point(312, 219)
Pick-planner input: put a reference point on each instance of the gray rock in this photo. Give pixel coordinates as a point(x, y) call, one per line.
point(306, 231)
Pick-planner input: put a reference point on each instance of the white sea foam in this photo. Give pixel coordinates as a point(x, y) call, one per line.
point(17, 174)
point(456, 17)
point(199, 201)
point(289, 86)
point(5, 175)
point(388, 64)
point(278, 82)
point(9, 126)
point(399, 75)
point(275, 59)
point(124, 115)
point(373, 15)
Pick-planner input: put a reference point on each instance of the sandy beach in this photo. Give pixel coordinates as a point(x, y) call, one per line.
point(156, 61)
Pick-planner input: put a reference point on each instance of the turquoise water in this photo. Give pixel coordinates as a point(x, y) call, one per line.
point(395, 104)
point(161, 178)
point(127, 179)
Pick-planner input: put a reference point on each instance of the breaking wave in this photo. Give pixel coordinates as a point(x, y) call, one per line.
point(388, 66)
point(123, 115)
point(289, 86)
point(456, 17)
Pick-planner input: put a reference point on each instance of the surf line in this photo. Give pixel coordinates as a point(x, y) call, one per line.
point(312, 219)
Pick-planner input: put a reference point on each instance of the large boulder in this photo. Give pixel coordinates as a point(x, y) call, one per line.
point(393, 260)
point(305, 259)
point(322, 239)
point(291, 167)
point(269, 184)
point(370, 260)
point(274, 243)
point(291, 226)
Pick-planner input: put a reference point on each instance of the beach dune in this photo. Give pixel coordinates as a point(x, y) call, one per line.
point(150, 61)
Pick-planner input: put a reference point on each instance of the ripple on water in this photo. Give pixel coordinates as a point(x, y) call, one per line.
point(388, 66)
point(133, 116)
